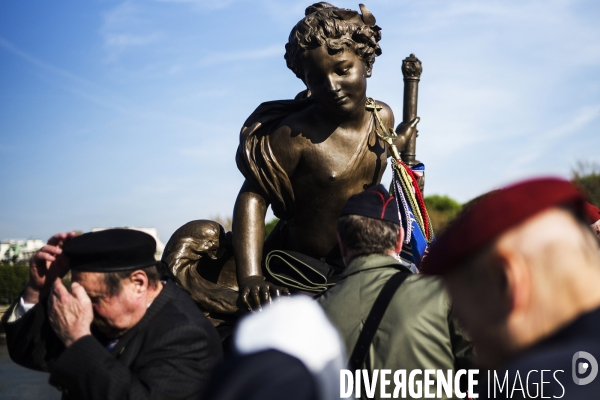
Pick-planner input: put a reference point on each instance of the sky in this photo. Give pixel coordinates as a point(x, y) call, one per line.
point(127, 113)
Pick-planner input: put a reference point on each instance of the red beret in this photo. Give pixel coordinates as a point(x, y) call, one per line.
point(492, 215)
point(592, 212)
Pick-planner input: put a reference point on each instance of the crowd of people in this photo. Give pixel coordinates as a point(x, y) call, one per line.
point(510, 286)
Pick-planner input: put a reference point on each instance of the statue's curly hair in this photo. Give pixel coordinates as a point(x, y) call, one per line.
point(325, 24)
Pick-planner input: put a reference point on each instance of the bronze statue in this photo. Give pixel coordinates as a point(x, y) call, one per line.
point(304, 158)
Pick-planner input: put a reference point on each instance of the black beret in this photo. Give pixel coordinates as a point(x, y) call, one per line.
point(374, 202)
point(111, 250)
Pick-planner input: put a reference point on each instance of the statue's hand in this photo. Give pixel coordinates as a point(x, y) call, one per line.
point(405, 132)
point(254, 291)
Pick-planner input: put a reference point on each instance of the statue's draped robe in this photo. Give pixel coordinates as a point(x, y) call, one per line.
point(255, 158)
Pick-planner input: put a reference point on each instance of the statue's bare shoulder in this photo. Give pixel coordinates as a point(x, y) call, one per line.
point(302, 129)
point(386, 114)
point(291, 137)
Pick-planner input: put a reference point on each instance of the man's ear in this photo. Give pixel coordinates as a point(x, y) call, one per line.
point(343, 250)
point(139, 280)
point(368, 71)
point(512, 277)
point(400, 240)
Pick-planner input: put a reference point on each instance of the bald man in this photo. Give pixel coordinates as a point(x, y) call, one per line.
point(523, 271)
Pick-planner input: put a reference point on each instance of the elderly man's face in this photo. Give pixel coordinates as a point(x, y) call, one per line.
point(478, 293)
point(113, 314)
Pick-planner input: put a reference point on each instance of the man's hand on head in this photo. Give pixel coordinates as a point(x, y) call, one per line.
point(70, 315)
point(45, 266)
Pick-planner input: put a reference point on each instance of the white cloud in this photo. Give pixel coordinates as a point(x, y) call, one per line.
point(44, 65)
point(584, 116)
point(536, 149)
point(122, 40)
point(202, 4)
point(243, 55)
point(126, 26)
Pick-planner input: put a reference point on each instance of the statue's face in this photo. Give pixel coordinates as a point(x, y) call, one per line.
point(338, 81)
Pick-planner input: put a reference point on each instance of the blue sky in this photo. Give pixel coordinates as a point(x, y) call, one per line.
point(127, 113)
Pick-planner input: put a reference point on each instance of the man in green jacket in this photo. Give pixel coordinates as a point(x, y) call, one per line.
point(417, 330)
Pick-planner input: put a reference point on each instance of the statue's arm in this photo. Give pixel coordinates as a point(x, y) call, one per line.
point(249, 234)
point(386, 114)
point(249, 228)
point(405, 131)
point(387, 117)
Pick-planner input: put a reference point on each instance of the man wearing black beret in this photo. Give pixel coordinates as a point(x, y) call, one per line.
point(121, 332)
point(389, 317)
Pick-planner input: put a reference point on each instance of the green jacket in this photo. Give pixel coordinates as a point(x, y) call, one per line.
point(417, 330)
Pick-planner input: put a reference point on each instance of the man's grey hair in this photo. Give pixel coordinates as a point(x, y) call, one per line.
point(363, 235)
point(113, 280)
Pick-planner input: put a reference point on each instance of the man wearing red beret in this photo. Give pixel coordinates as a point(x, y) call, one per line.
point(523, 271)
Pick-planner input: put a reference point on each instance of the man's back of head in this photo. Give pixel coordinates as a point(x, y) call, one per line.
point(370, 224)
point(414, 329)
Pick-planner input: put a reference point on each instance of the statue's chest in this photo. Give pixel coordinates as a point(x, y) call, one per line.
point(339, 160)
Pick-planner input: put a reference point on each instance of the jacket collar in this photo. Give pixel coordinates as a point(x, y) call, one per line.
point(371, 261)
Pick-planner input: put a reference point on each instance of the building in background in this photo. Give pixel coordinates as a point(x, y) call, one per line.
point(17, 250)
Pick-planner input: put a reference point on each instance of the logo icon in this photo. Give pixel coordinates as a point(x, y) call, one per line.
point(580, 368)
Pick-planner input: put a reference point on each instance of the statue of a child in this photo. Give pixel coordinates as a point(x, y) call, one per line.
point(306, 157)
